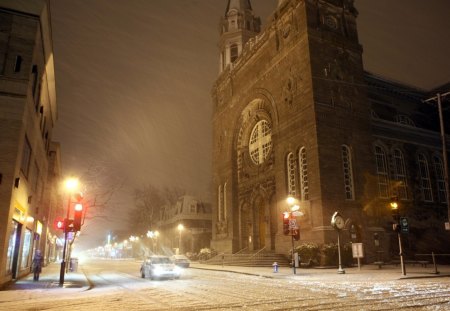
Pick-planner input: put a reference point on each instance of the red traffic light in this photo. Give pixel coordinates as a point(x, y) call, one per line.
point(59, 223)
point(286, 228)
point(77, 219)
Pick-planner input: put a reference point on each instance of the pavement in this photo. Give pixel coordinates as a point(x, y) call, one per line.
point(77, 280)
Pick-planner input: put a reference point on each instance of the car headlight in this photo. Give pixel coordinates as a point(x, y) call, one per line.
point(158, 270)
point(177, 270)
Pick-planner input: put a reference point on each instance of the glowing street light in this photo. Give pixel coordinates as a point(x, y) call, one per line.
point(71, 185)
point(180, 229)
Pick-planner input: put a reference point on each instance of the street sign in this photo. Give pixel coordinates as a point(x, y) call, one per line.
point(357, 250)
point(404, 225)
point(293, 224)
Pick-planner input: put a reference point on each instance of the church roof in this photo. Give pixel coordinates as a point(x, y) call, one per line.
point(239, 5)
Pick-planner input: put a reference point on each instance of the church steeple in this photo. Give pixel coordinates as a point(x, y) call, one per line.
point(237, 26)
point(239, 5)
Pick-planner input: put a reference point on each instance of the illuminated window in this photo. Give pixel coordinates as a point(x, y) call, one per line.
point(424, 176)
point(348, 172)
point(260, 143)
point(290, 165)
point(303, 168)
point(382, 172)
point(400, 174)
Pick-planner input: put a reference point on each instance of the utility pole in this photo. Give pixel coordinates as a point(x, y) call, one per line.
point(438, 99)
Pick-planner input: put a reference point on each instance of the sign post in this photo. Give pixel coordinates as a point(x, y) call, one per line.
point(358, 252)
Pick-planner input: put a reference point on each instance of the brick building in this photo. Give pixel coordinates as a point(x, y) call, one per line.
point(295, 114)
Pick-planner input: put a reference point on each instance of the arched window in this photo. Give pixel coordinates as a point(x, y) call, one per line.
point(303, 170)
point(290, 172)
point(424, 176)
point(219, 203)
point(224, 201)
point(382, 172)
point(400, 174)
point(439, 172)
point(260, 142)
point(348, 172)
point(234, 52)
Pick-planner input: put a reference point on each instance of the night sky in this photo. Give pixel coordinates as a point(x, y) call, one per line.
point(134, 80)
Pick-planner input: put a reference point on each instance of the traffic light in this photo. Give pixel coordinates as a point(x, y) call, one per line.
point(78, 215)
point(394, 208)
point(59, 223)
point(286, 216)
point(296, 234)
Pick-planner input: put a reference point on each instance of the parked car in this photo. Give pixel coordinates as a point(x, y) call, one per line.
point(181, 261)
point(159, 267)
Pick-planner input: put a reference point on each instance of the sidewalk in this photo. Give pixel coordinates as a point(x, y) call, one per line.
point(367, 272)
point(49, 278)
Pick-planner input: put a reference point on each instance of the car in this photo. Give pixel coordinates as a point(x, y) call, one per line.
point(181, 261)
point(158, 267)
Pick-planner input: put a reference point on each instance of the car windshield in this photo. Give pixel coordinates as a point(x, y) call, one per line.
point(159, 260)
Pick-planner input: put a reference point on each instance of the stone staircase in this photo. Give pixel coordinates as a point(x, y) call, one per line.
point(245, 258)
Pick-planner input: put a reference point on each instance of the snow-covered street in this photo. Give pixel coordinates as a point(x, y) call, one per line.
point(117, 285)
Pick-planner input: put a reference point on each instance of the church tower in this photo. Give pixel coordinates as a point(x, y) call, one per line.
point(237, 27)
point(291, 118)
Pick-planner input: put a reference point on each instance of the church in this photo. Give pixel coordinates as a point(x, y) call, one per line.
point(296, 116)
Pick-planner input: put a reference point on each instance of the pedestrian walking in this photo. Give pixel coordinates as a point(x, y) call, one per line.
point(37, 265)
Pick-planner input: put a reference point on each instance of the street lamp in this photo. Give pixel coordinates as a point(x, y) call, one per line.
point(71, 184)
point(153, 235)
point(291, 201)
point(397, 228)
point(180, 229)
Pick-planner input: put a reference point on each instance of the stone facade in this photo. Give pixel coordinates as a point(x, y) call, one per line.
point(28, 114)
point(293, 117)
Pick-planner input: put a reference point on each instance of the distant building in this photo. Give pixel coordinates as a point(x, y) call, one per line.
point(195, 232)
point(28, 113)
point(295, 114)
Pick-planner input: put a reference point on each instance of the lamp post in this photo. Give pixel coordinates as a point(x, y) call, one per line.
point(180, 229)
point(438, 98)
point(291, 201)
point(397, 228)
point(153, 235)
point(71, 184)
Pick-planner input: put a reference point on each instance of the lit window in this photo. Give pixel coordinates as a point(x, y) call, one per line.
point(400, 174)
point(382, 172)
point(260, 143)
point(348, 172)
point(291, 174)
point(424, 175)
point(303, 168)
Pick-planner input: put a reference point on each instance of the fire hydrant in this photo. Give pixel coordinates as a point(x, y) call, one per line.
point(275, 267)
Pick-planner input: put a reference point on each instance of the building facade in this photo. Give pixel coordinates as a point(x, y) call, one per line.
point(295, 114)
point(184, 227)
point(28, 114)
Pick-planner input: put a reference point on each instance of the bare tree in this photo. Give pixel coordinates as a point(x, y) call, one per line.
point(149, 202)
